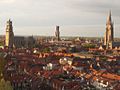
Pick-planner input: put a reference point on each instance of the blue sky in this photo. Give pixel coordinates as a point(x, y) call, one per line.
point(75, 17)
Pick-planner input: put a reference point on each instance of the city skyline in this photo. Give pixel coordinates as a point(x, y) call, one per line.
point(75, 17)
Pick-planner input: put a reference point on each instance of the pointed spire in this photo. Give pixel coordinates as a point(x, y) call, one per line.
point(109, 18)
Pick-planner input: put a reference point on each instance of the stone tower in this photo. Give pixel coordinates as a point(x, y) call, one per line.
point(57, 33)
point(109, 34)
point(9, 38)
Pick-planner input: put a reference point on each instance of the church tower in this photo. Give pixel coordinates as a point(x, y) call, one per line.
point(57, 33)
point(109, 34)
point(9, 38)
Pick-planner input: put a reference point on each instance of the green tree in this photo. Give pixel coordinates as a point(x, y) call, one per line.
point(88, 45)
point(5, 85)
point(46, 50)
point(2, 66)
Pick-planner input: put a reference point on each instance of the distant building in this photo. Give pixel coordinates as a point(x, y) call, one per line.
point(29, 42)
point(109, 34)
point(57, 33)
point(9, 38)
point(19, 41)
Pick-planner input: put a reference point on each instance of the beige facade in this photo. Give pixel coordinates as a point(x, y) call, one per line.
point(9, 38)
point(109, 34)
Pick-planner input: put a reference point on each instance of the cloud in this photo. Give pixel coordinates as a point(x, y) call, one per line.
point(7, 1)
point(49, 13)
point(95, 6)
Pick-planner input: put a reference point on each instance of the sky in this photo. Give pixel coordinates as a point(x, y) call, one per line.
point(75, 17)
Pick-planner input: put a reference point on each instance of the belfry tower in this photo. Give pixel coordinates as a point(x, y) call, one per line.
point(9, 38)
point(57, 33)
point(109, 34)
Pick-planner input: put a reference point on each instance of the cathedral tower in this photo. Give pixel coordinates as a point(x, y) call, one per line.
point(109, 34)
point(9, 38)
